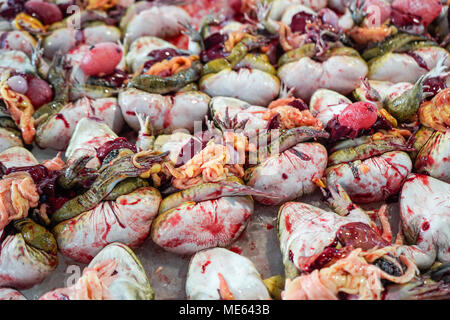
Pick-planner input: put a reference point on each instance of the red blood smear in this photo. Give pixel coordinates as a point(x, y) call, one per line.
point(236, 250)
point(207, 263)
point(180, 41)
point(59, 116)
point(174, 220)
point(284, 176)
point(291, 256)
point(269, 226)
point(424, 179)
point(130, 113)
point(125, 202)
point(425, 226)
point(419, 60)
point(214, 228)
point(235, 228)
point(173, 243)
point(287, 224)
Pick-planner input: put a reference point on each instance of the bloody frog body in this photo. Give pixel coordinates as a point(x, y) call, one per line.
point(369, 169)
point(222, 274)
point(115, 273)
point(167, 113)
point(327, 73)
point(433, 158)
point(208, 205)
point(88, 136)
point(289, 171)
point(315, 241)
point(403, 58)
point(307, 233)
point(425, 215)
point(28, 251)
point(118, 206)
point(166, 20)
point(291, 174)
point(127, 219)
point(201, 217)
point(235, 67)
point(58, 130)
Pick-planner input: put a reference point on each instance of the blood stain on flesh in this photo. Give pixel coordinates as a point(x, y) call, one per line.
point(205, 265)
point(236, 250)
point(59, 116)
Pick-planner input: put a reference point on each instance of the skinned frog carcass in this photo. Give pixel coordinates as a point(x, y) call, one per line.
point(88, 27)
point(163, 87)
point(119, 205)
point(404, 100)
point(432, 141)
point(319, 243)
point(222, 274)
point(294, 171)
point(57, 130)
point(166, 113)
point(95, 71)
point(371, 178)
point(209, 205)
point(314, 57)
point(234, 65)
point(164, 69)
point(433, 154)
point(201, 217)
point(339, 69)
point(425, 216)
point(305, 231)
point(146, 51)
point(166, 20)
point(115, 273)
point(28, 251)
point(284, 164)
point(65, 39)
point(88, 136)
point(372, 163)
point(403, 58)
